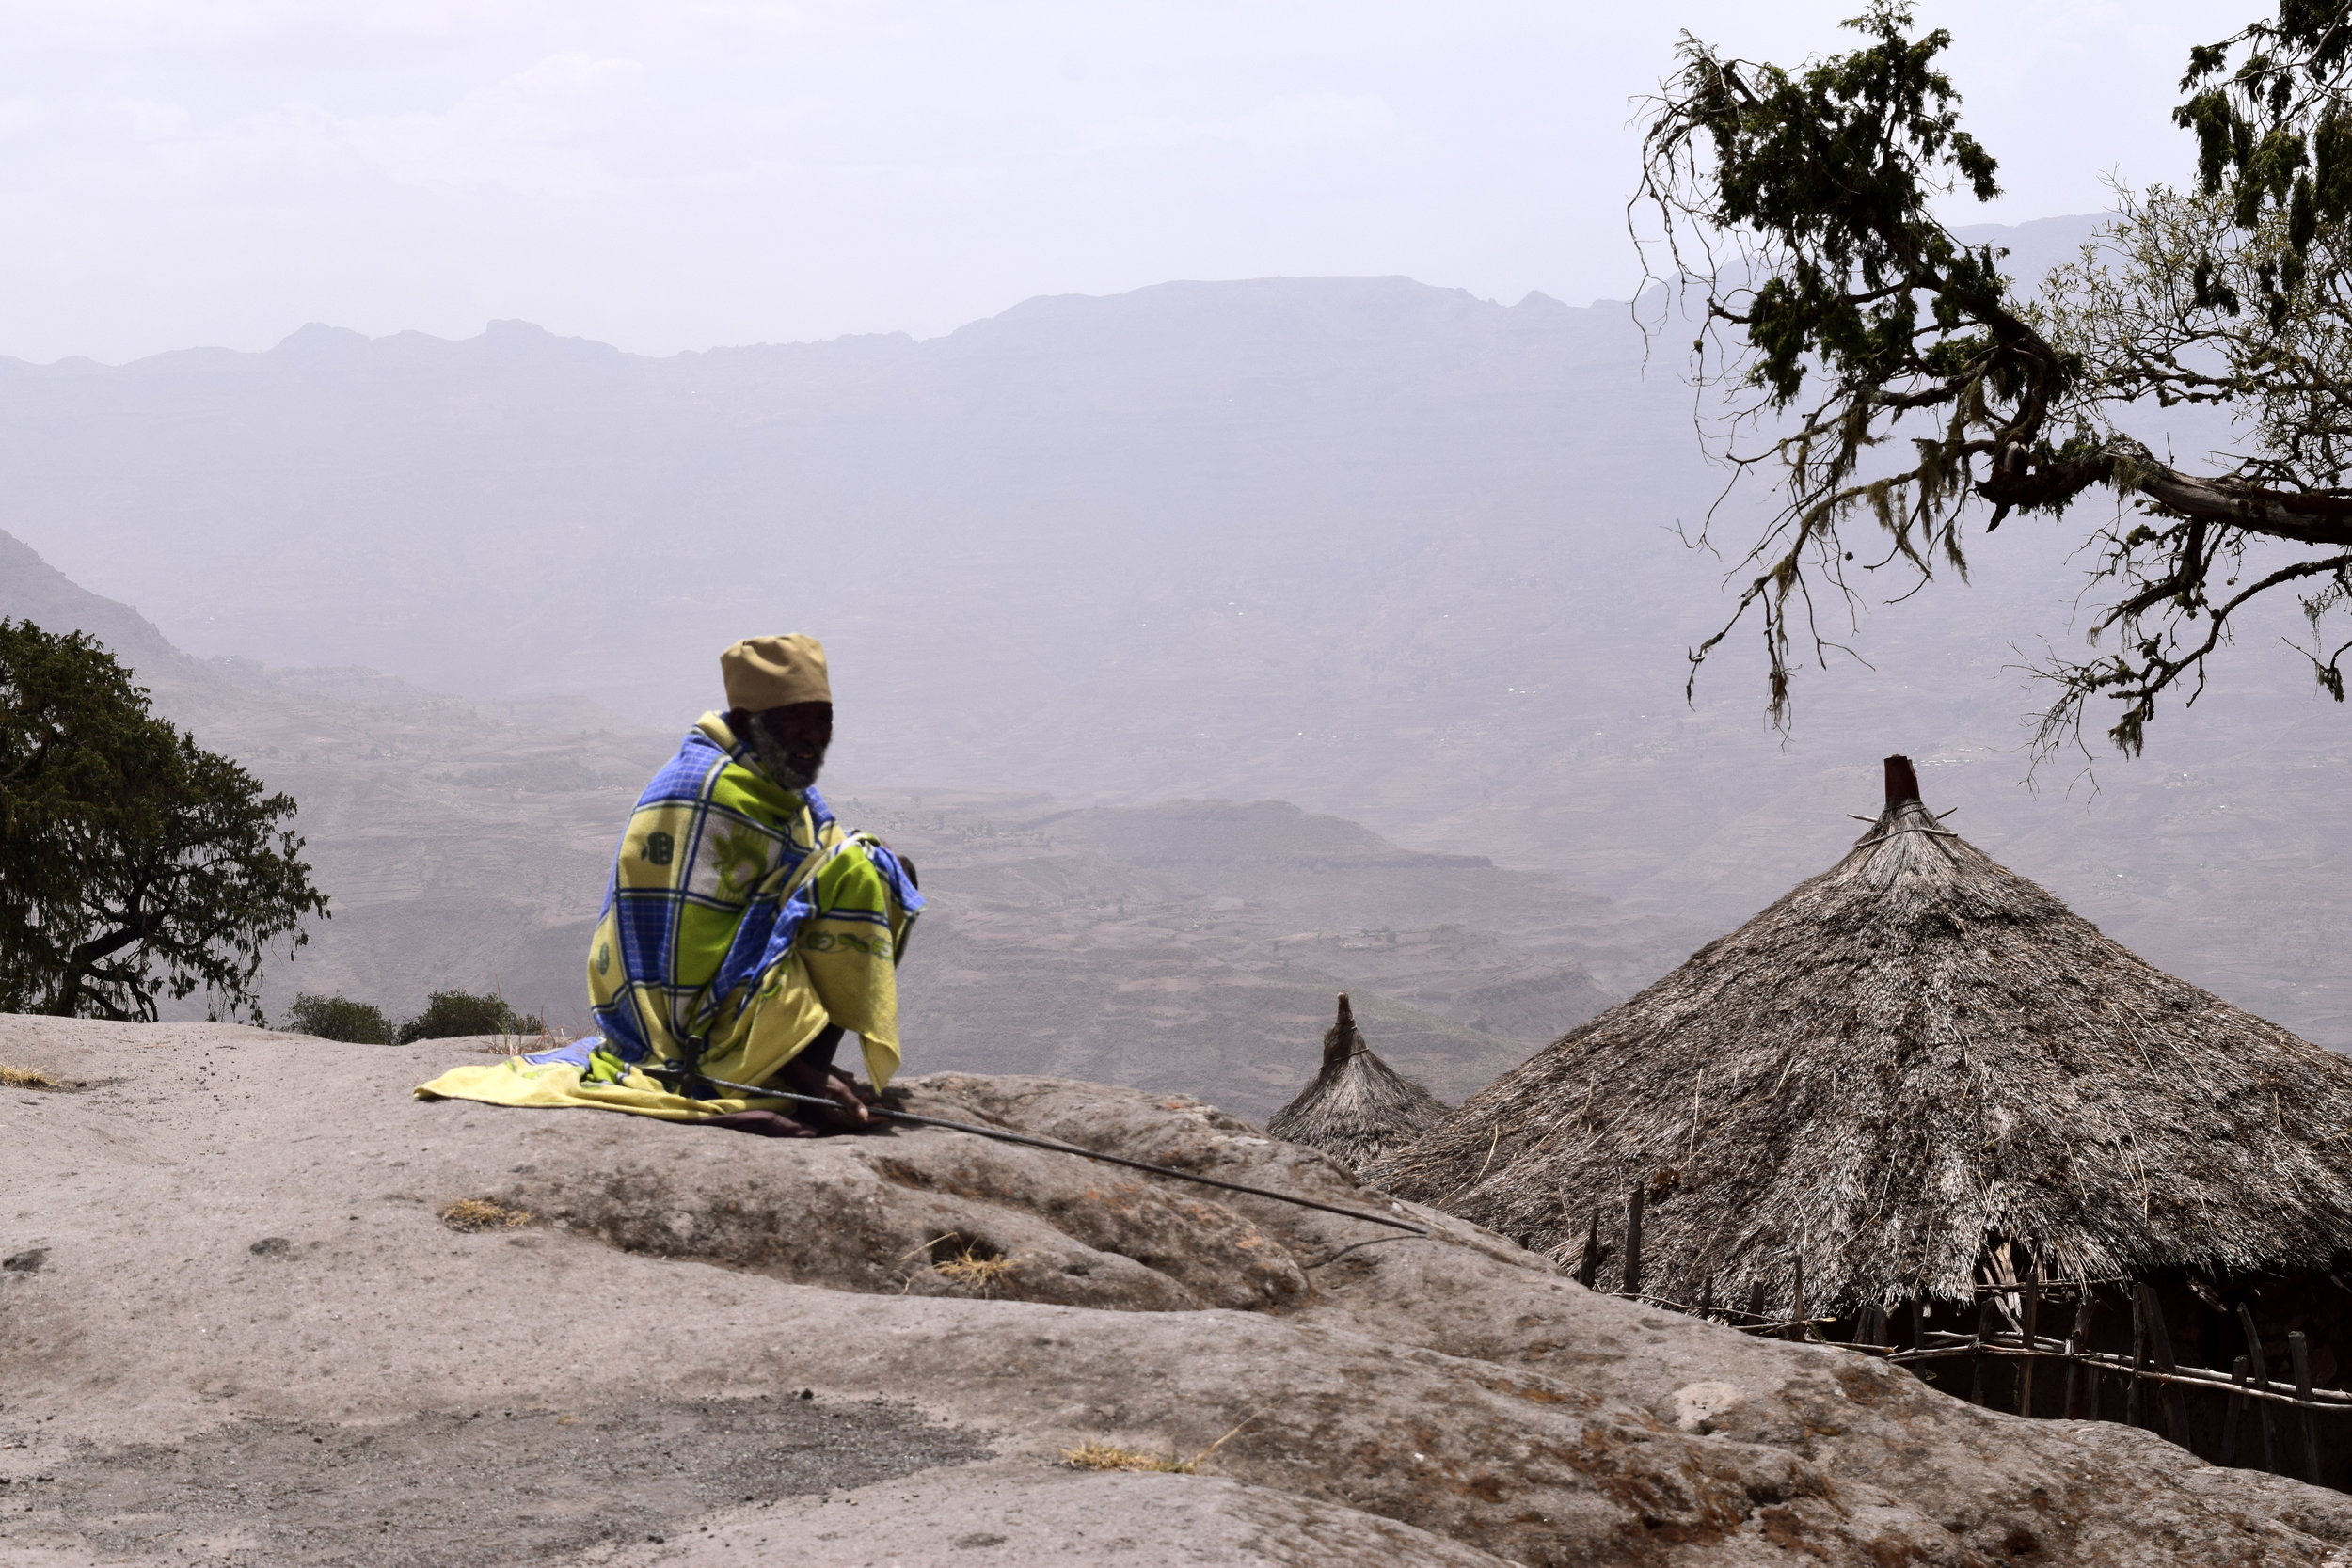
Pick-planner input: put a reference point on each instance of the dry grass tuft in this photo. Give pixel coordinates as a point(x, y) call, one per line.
point(29, 1078)
point(1105, 1456)
point(527, 1045)
point(970, 1265)
point(1109, 1456)
point(483, 1214)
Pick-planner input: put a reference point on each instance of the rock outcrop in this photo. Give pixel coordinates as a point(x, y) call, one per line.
point(244, 1320)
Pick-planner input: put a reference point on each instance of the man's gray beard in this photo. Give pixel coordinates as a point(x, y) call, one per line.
point(774, 756)
point(781, 771)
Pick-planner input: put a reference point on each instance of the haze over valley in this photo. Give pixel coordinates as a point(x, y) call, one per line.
point(1171, 946)
point(1211, 647)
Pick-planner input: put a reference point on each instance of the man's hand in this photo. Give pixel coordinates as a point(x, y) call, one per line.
point(848, 1104)
point(843, 1110)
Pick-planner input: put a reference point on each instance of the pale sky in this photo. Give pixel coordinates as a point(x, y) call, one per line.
point(690, 173)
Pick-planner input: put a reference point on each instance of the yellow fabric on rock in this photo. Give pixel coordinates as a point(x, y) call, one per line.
point(740, 921)
point(779, 1024)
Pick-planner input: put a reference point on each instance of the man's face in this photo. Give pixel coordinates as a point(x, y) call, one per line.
point(790, 741)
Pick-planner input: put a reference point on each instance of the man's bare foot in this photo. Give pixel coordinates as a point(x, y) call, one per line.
point(764, 1124)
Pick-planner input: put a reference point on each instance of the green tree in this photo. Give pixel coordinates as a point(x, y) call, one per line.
point(338, 1018)
point(68, 715)
point(448, 1014)
point(132, 861)
point(1845, 324)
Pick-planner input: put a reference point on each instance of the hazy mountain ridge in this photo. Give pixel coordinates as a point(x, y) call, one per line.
point(1392, 553)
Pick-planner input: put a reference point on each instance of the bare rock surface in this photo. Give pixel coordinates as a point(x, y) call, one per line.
point(236, 1328)
point(1014, 1514)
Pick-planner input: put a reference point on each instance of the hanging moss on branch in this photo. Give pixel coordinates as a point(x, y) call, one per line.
point(1901, 391)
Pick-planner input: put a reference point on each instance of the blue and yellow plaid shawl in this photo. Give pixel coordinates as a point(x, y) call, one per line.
point(740, 920)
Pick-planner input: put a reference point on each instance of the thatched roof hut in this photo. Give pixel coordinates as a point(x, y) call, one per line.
point(1358, 1107)
point(1914, 1071)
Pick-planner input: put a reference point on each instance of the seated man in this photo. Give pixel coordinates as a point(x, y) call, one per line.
point(744, 931)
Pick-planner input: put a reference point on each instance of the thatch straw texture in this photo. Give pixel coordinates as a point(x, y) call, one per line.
point(1358, 1107)
point(1909, 1060)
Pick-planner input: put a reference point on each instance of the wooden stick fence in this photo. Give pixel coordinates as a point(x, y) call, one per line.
point(2151, 1374)
point(2245, 1383)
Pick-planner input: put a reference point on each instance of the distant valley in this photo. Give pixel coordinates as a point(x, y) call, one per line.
point(1191, 945)
point(1397, 556)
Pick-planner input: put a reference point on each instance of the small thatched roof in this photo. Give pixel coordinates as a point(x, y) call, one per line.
point(1358, 1107)
point(1912, 1059)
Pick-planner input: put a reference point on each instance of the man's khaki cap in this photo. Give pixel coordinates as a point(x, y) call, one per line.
point(770, 672)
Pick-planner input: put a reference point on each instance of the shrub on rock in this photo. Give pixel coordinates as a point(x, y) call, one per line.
point(452, 1013)
point(338, 1018)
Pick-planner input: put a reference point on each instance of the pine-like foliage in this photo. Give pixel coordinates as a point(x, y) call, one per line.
point(1905, 393)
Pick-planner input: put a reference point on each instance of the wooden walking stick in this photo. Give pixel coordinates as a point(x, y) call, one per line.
point(1633, 1241)
point(2076, 1342)
point(2262, 1381)
point(1984, 1332)
point(2299, 1352)
point(2033, 1346)
point(2139, 1359)
point(2237, 1412)
point(2160, 1342)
